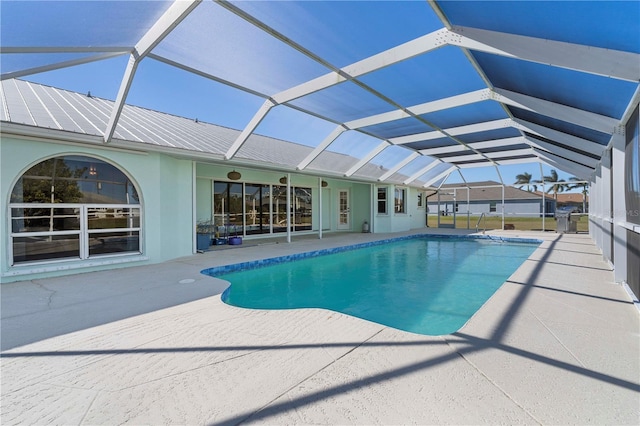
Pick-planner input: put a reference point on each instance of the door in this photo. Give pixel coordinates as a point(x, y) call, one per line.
point(344, 212)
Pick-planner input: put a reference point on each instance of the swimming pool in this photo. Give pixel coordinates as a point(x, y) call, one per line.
point(426, 285)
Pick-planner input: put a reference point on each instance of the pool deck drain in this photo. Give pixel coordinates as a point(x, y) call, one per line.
point(558, 343)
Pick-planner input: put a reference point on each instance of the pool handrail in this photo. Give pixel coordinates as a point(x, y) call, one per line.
point(485, 223)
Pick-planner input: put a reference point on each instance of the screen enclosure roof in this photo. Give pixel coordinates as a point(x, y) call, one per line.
point(407, 91)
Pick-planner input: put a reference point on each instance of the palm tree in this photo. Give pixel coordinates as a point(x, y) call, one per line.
point(525, 179)
point(557, 186)
point(585, 190)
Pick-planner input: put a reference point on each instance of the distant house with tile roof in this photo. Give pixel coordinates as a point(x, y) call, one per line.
point(573, 199)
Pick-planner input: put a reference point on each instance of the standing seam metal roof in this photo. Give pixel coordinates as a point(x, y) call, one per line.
point(146, 127)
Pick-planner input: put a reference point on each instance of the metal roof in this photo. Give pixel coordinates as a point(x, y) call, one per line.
point(68, 115)
point(407, 91)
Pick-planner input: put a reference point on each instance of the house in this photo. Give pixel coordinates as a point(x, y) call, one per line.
point(77, 204)
point(486, 197)
point(576, 200)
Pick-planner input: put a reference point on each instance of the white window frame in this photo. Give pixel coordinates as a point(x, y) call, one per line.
point(84, 232)
point(386, 201)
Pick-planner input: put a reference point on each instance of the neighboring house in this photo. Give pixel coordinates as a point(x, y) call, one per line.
point(577, 200)
point(486, 197)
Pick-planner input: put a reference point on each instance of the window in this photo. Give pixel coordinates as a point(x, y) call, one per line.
point(492, 206)
point(549, 208)
point(382, 200)
point(73, 207)
point(398, 200)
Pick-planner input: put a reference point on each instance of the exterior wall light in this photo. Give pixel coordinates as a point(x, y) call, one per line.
point(233, 175)
point(283, 180)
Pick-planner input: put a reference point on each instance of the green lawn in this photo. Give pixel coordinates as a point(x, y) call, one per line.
point(495, 222)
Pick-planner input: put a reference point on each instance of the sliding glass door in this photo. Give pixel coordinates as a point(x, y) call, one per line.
point(256, 207)
point(253, 208)
point(228, 207)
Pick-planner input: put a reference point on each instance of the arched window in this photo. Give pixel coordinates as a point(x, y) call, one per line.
point(73, 207)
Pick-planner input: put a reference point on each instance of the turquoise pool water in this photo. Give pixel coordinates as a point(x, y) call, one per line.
point(428, 286)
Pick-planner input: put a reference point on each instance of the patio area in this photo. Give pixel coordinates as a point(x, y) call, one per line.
point(558, 343)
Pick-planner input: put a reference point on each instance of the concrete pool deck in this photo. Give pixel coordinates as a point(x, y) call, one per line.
point(558, 343)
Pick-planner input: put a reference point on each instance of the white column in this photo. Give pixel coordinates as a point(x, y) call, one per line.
point(194, 244)
point(373, 209)
point(606, 212)
point(455, 200)
point(503, 206)
point(544, 204)
point(619, 207)
point(320, 208)
point(468, 208)
point(438, 208)
point(288, 207)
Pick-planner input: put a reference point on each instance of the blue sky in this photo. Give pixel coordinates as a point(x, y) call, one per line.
point(161, 87)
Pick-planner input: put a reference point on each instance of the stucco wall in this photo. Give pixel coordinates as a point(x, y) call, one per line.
point(413, 218)
point(359, 193)
point(361, 205)
point(418, 214)
point(165, 188)
point(167, 192)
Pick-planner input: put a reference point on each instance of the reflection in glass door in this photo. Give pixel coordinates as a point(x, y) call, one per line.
point(256, 207)
point(279, 208)
point(253, 208)
point(301, 209)
point(227, 205)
